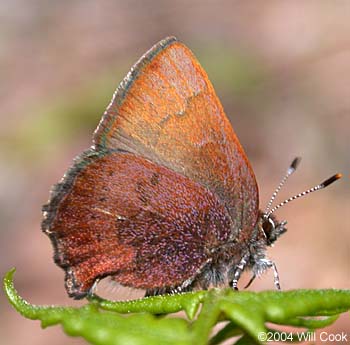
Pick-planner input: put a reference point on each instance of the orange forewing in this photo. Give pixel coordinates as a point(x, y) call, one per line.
point(166, 110)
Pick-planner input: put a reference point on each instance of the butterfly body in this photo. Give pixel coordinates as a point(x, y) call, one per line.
point(165, 199)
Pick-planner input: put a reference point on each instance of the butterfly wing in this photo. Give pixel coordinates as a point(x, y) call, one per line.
point(166, 110)
point(119, 214)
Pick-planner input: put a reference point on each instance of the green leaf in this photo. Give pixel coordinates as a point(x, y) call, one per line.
point(137, 322)
point(189, 302)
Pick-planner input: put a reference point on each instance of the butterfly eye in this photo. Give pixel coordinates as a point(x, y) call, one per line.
point(268, 226)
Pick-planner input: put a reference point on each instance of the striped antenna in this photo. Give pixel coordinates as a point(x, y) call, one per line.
point(322, 185)
point(290, 171)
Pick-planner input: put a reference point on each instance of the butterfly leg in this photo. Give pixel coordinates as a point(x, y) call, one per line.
point(276, 276)
point(238, 270)
point(250, 281)
point(268, 264)
point(271, 264)
point(262, 265)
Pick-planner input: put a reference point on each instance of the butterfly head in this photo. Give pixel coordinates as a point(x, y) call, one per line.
point(272, 228)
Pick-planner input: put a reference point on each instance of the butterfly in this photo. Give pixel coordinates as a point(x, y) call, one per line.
point(165, 199)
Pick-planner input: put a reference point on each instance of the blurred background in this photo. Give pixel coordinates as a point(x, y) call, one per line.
point(280, 68)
